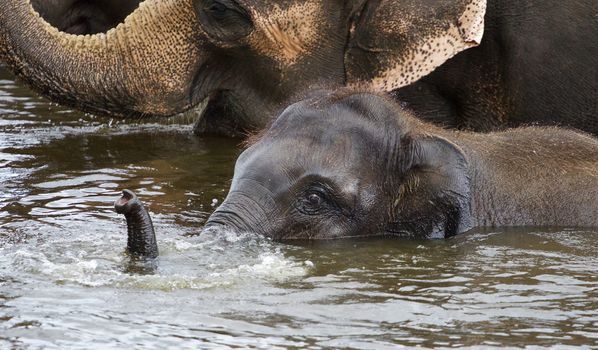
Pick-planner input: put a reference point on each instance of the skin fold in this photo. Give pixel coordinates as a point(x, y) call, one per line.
point(347, 164)
point(141, 238)
point(84, 16)
point(507, 62)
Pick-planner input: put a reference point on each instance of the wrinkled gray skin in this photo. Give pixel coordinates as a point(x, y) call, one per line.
point(248, 58)
point(355, 164)
point(141, 238)
point(84, 16)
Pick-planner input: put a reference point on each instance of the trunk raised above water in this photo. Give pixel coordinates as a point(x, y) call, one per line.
point(141, 238)
point(144, 66)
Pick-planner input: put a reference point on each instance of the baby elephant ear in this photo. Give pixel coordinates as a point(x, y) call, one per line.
point(396, 42)
point(433, 199)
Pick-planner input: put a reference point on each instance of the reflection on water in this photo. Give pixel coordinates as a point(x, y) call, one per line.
point(65, 281)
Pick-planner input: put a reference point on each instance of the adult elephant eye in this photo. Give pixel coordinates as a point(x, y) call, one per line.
point(218, 10)
point(224, 21)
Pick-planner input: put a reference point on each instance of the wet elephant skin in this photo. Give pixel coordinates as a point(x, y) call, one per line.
point(141, 238)
point(348, 164)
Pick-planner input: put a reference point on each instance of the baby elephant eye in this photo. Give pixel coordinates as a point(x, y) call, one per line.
point(313, 202)
point(315, 199)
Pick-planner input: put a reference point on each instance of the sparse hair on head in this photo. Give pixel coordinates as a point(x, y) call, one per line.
point(324, 98)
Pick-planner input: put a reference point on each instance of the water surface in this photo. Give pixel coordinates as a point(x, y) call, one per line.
point(65, 282)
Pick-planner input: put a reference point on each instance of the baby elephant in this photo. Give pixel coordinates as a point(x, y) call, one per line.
point(350, 164)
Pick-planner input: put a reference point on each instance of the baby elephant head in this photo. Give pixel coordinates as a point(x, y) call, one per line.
point(348, 164)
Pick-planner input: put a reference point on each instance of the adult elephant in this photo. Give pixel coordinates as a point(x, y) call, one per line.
point(249, 57)
point(84, 16)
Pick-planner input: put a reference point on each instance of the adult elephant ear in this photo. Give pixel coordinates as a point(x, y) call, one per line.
point(396, 42)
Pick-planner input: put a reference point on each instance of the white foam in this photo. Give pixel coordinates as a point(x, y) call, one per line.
point(216, 260)
point(273, 267)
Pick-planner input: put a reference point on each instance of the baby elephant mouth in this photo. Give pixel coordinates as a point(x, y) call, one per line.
point(141, 237)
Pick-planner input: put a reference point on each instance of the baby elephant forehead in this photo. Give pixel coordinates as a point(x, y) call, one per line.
point(341, 110)
point(335, 129)
point(324, 133)
point(341, 158)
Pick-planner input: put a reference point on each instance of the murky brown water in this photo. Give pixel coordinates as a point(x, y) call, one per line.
point(66, 284)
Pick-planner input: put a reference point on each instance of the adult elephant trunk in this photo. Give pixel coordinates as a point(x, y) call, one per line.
point(144, 66)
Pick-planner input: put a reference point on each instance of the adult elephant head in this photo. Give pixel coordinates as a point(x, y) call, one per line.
point(247, 57)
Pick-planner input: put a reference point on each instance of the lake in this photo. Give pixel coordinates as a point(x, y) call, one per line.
point(66, 283)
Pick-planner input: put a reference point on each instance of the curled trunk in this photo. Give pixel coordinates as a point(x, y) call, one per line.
point(144, 66)
point(141, 238)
